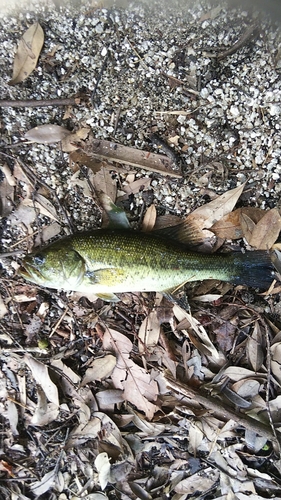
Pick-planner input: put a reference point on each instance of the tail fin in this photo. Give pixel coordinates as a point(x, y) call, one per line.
point(253, 269)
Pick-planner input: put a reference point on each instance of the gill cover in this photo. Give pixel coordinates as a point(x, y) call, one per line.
point(55, 267)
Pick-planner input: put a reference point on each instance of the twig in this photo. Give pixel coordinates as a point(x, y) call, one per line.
point(221, 410)
point(58, 322)
point(11, 254)
point(36, 103)
point(243, 40)
point(98, 79)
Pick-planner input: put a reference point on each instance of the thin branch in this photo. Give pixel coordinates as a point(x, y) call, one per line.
point(36, 103)
point(221, 410)
point(250, 32)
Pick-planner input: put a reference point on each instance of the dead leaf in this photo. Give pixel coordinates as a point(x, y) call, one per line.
point(149, 219)
point(83, 432)
point(139, 389)
point(44, 206)
point(108, 398)
point(137, 186)
point(100, 368)
point(229, 227)
point(153, 162)
point(225, 334)
point(47, 233)
point(12, 414)
point(199, 482)
point(237, 373)
point(211, 14)
point(27, 54)
point(203, 342)
point(45, 412)
point(3, 308)
point(53, 479)
point(275, 364)
point(79, 157)
point(149, 332)
point(72, 141)
point(41, 374)
point(103, 181)
point(102, 465)
point(7, 191)
point(46, 134)
point(206, 216)
point(263, 234)
point(254, 348)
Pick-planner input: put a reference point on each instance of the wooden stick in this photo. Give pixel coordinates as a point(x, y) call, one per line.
point(221, 410)
point(36, 103)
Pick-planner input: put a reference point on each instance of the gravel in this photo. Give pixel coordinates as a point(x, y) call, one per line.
point(222, 117)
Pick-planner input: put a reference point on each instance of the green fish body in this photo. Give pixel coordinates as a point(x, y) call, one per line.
point(106, 261)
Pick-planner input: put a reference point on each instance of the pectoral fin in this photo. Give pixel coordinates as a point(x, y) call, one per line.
point(109, 297)
point(109, 276)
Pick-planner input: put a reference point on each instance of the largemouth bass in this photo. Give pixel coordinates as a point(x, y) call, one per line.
point(107, 261)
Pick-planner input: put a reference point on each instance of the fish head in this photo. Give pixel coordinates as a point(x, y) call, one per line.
point(54, 267)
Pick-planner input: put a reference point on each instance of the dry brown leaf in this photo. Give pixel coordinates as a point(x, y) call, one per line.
point(45, 412)
point(112, 151)
point(149, 332)
point(108, 398)
point(263, 234)
point(72, 141)
point(203, 218)
point(137, 186)
point(84, 431)
point(211, 14)
point(206, 345)
point(229, 227)
point(6, 191)
point(47, 233)
point(275, 351)
point(225, 334)
point(100, 368)
point(103, 181)
point(79, 157)
point(254, 348)
point(195, 437)
point(149, 219)
point(148, 428)
point(237, 373)
point(41, 374)
point(12, 415)
point(3, 308)
point(136, 383)
point(46, 134)
point(247, 388)
point(27, 54)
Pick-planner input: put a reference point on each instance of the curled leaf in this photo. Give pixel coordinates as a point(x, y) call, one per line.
point(27, 54)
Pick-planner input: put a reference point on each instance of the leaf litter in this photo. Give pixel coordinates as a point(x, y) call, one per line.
point(95, 394)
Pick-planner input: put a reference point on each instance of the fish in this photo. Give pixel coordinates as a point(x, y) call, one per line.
point(106, 262)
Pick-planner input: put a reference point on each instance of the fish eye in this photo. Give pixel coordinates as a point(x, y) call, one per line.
point(39, 259)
